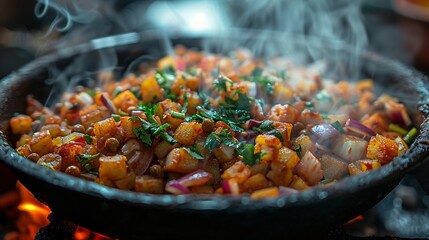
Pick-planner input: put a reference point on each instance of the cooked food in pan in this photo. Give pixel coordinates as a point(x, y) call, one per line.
point(207, 124)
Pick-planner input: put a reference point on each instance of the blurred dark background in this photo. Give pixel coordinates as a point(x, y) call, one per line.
point(398, 29)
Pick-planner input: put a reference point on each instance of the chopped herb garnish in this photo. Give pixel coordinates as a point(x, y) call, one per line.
point(85, 160)
point(165, 78)
point(325, 117)
point(212, 141)
point(151, 128)
point(215, 139)
point(122, 113)
point(297, 148)
point(264, 81)
point(221, 83)
point(185, 104)
point(257, 72)
point(247, 151)
point(194, 152)
point(410, 136)
point(266, 125)
point(178, 115)
point(337, 125)
point(116, 117)
point(144, 136)
point(398, 129)
point(88, 138)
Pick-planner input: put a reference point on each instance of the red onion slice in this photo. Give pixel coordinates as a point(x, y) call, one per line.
point(181, 185)
point(107, 103)
point(230, 186)
point(196, 178)
point(322, 132)
point(253, 123)
point(175, 187)
point(357, 127)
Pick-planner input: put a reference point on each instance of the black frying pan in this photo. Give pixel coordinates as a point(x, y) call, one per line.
point(132, 215)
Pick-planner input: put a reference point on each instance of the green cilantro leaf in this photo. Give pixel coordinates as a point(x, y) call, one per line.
point(337, 125)
point(194, 152)
point(88, 138)
point(85, 160)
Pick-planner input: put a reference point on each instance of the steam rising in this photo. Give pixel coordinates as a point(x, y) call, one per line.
point(307, 31)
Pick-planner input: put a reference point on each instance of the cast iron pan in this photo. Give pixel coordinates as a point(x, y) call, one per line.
point(131, 215)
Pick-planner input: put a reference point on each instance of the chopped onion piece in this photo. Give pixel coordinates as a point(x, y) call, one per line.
point(230, 186)
point(357, 127)
point(350, 148)
point(176, 188)
point(108, 103)
point(322, 132)
point(180, 185)
point(253, 123)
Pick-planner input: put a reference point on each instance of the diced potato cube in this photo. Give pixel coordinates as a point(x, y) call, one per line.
point(187, 132)
point(255, 182)
point(265, 193)
point(280, 174)
point(239, 171)
point(382, 149)
point(377, 123)
point(112, 167)
point(41, 143)
point(180, 161)
point(287, 157)
point(21, 124)
point(151, 91)
point(51, 161)
point(104, 128)
point(24, 150)
point(149, 184)
point(69, 152)
point(298, 184)
point(127, 182)
point(56, 130)
point(124, 100)
point(269, 145)
point(93, 114)
point(127, 125)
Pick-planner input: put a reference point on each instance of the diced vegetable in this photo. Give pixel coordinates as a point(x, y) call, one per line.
point(112, 168)
point(41, 143)
point(21, 124)
point(382, 149)
point(309, 169)
point(350, 148)
point(148, 184)
point(188, 132)
point(265, 193)
point(180, 161)
point(333, 168)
